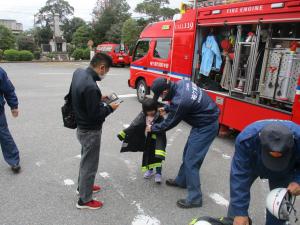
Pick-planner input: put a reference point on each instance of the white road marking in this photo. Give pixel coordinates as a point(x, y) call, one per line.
point(127, 96)
point(57, 73)
point(216, 150)
point(132, 169)
point(78, 156)
point(174, 135)
point(142, 218)
point(219, 199)
point(105, 175)
point(225, 156)
point(40, 163)
point(69, 182)
point(121, 193)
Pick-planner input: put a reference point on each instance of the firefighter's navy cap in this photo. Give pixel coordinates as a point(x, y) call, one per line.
point(159, 85)
point(277, 146)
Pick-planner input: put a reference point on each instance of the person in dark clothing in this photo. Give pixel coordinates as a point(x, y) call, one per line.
point(135, 138)
point(9, 148)
point(90, 113)
point(269, 149)
point(191, 104)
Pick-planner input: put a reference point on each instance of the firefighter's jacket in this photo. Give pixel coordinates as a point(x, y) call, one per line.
point(152, 145)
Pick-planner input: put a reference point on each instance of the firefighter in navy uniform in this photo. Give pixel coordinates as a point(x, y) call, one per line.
point(268, 149)
point(191, 104)
point(8, 145)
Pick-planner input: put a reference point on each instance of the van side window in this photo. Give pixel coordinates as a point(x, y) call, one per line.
point(162, 48)
point(141, 50)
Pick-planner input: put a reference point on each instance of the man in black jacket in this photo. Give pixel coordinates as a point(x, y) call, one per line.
point(90, 113)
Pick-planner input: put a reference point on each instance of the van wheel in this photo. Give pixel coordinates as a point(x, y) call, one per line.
point(141, 90)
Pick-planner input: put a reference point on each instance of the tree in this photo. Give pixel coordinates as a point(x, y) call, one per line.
point(7, 39)
point(114, 34)
point(42, 35)
point(168, 13)
point(156, 9)
point(130, 32)
point(61, 7)
point(108, 17)
point(120, 8)
point(70, 27)
point(26, 42)
point(82, 36)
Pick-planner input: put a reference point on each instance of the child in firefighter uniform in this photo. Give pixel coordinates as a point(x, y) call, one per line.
point(136, 139)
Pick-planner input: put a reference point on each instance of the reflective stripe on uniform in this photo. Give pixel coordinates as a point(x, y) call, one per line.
point(122, 134)
point(160, 153)
point(153, 136)
point(193, 222)
point(151, 166)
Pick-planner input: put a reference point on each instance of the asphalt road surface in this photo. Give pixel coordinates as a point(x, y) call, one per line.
point(44, 192)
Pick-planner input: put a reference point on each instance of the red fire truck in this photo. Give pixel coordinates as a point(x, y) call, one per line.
point(254, 44)
point(118, 53)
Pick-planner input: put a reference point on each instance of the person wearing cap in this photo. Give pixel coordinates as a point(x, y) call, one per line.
point(269, 149)
point(191, 104)
point(9, 148)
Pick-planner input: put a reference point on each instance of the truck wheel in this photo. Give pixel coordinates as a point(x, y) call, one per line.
point(141, 90)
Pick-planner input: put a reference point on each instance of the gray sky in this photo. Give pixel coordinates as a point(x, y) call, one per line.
point(23, 10)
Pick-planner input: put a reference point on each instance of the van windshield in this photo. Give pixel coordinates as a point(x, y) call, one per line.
point(104, 49)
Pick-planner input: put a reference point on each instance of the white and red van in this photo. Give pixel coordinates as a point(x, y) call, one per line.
point(118, 53)
point(259, 44)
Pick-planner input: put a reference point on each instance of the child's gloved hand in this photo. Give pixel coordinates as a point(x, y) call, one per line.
point(121, 136)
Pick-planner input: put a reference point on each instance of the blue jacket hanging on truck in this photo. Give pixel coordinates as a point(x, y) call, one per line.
point(211, 56)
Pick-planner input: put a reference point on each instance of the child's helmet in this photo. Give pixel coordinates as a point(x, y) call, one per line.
point(280, 203)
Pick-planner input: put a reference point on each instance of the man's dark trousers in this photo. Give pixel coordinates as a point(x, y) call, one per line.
point(9, 148)
point(273, 183)
point(90, 151)
point(194, 153)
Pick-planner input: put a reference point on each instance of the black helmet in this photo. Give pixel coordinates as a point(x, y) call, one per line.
point(159, 85)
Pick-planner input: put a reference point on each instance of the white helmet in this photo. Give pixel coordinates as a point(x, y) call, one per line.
point(202, 222)
point(280, 203)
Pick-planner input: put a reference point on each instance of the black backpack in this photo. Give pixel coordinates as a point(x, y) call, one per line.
point(67, 111)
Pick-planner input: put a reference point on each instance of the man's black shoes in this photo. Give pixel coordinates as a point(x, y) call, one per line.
point(172, 183)
point(182, 203)
point(16, 168)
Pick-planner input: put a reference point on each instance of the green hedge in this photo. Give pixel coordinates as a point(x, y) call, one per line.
point(86, 53)
point(80, 53)
point(11, 55)
point(26, 55)
point(15, 55)
point(1, 54)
